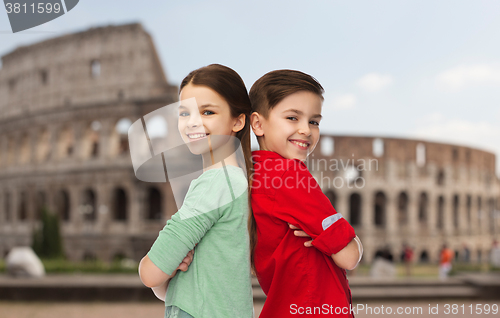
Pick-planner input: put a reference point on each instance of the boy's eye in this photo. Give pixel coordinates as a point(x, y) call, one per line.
point(183, 114)
point(292, 118)
point(208, 112)
point(313, 122)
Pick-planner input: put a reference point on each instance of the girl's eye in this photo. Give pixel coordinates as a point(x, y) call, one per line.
point(292, 118)
point(314, 122)
point(208, 112)
point(183, 114)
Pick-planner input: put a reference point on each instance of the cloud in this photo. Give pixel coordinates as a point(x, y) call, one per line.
point(374, 82)
point(462, 76)
point(482, 135)
point(346, 101)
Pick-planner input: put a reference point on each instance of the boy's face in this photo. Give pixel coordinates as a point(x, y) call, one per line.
point(292, 127)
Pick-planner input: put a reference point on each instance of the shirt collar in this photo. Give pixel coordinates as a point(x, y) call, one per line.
point(261, 155)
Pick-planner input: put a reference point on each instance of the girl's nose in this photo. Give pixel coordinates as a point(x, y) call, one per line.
point(305, 130)
point(194, 121)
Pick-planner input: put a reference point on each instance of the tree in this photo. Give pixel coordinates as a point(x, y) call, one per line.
point(47, 242)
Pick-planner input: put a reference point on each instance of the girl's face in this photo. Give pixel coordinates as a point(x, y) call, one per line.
point(209, 116)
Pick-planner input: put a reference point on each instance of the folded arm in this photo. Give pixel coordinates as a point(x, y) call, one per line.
point(347, 258)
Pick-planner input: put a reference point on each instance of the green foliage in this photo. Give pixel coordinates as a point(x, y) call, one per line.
point(47, 242)
point(65, 266)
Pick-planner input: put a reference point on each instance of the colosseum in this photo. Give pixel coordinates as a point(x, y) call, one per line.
point(67, 104)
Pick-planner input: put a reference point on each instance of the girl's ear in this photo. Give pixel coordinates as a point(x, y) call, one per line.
point(256, 123)
point(240, 123)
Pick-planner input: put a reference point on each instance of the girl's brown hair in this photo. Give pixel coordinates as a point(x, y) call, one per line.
point(228, 84)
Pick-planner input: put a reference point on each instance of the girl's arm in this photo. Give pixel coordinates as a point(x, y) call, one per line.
point(151, 275)
point(161, 290)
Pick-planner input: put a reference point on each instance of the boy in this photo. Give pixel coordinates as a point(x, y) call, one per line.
point(286, 109)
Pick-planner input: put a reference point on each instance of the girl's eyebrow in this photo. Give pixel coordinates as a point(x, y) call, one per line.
point(298, 112)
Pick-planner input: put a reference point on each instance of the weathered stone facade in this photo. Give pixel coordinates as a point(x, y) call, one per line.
point(395, 191)
point(65, 107)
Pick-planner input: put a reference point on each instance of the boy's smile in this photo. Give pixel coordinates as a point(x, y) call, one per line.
point(292, 127)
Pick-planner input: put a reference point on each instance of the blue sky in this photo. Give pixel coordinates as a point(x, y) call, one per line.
point(412, 69)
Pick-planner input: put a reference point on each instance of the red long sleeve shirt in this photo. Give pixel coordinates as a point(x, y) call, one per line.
point(296, 279)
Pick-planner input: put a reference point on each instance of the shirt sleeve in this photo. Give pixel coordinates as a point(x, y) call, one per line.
point(300, 201)
point(207, 199)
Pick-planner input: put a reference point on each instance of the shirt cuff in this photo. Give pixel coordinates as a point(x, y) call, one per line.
point(335, 237)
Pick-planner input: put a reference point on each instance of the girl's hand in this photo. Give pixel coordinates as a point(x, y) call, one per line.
point(299, 232)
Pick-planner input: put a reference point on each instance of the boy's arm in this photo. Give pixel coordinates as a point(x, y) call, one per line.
point(347, 258)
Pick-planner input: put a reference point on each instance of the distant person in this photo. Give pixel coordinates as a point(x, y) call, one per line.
point(495, 254)
point(445, 259)
point(407, 258)
point(465, 253)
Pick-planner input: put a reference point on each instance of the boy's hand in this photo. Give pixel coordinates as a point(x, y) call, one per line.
point(299, 232)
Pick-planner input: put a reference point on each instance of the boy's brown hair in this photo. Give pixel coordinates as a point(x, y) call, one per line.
point(274, 86)
point(266, 93)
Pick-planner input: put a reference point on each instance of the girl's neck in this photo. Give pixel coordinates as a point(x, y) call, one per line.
point(223, 156)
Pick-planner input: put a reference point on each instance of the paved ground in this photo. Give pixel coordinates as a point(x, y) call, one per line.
point(152, 310)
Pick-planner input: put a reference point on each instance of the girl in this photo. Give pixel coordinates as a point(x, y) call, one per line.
point(213, 113)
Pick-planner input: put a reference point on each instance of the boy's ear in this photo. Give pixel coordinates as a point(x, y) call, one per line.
point(240, 123)
point(256, 123)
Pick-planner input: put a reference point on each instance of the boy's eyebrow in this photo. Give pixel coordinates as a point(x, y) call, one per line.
point(298, 112)
point(208, 105)
point(202, 106)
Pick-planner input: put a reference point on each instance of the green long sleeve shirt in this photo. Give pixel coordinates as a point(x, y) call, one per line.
point(214, 215)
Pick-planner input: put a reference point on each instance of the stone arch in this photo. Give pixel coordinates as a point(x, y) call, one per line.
point(327, 146)
point(66, 142)
point(440, 177)
point(456, 205)
point(420, 155)
point(42, 145)
point(119, 137)
point(89, 256)
point(468, 211)
point(22, 208)
point(155, 204)
point(7, 206)
point(120, 204)
point(424, 257)
point(479, 210)
point(403, 208)
point(378, 147)
point(63, 205)
point(41, 203)
point(24, 151)
point(491, 215)
point(88, 206)
point(331, 196)
point(380, 208)
point(423, 204)
point(440, 213)
point(11, 150)
point(91, 140)
point(355, 209)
